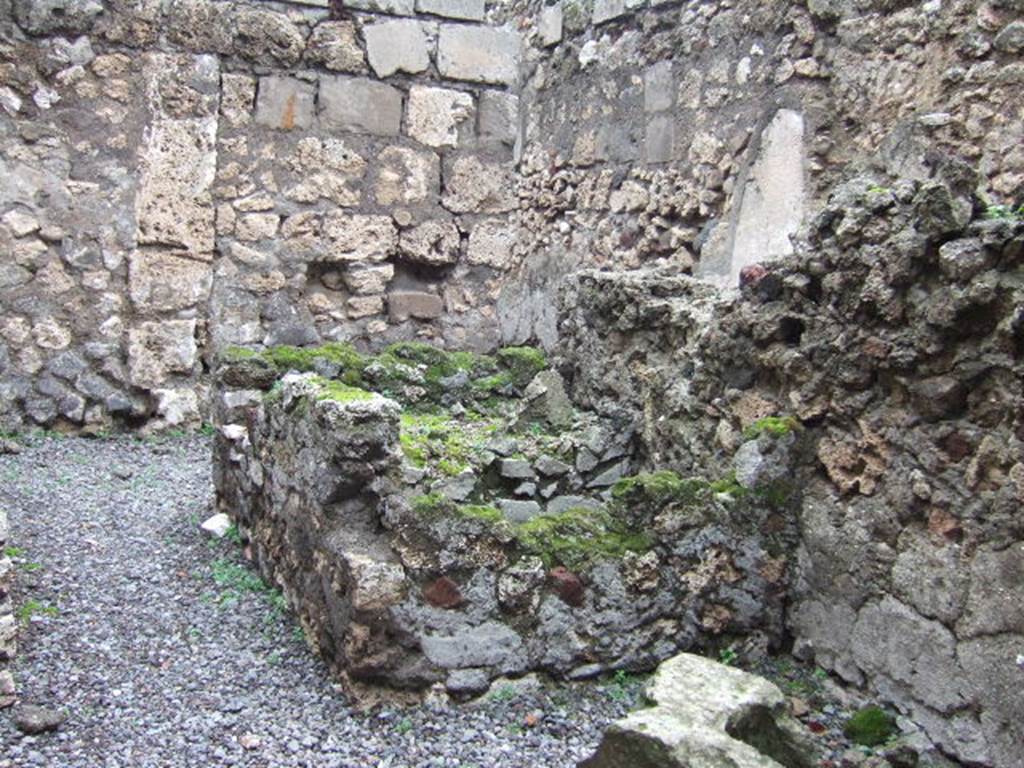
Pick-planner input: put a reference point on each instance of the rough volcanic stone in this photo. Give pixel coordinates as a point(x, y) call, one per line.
point(366, 280)
point(165, 282)
point(285, 103)
point(238, 93)
point(561, 504)
point(406, 176)
point(397, 45)
point(421, 305)
point(359, 237)
point(491, 244)
point(474, 185)
point(479, 54)
point(606, 10)
point(40, 17)
point(518, 511)
point(443, 593)
point(551, 467)
point(359, 105)
point(706, 713)
point(158, 349)
point(471, 10)
point(437, 116)
point(266, 37)
point(435, 243)
point(517, 469)
point(334, 45)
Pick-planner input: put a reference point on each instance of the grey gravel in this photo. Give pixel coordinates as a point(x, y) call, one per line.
point(155, 663)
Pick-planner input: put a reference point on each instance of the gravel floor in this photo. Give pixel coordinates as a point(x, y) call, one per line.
point(162, 651)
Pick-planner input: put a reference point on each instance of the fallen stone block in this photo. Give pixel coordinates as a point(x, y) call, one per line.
point(706, 714)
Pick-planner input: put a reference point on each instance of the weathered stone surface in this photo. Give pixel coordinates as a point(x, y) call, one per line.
point(403, 305)
point(285, 103)
point(550, 24)
point(659, 139)
point(499, 117)
point(238, 93)
point(368, 279)
point(437, 116)
point(407, 176)
point(33, 720)
point(491, 243)
point(158, 349)
point(471, 10)
point(359, 105)
point(326, 169)
point(479, 54)
point(490, 644)
point(475, 185)
point(659, 87)
point(49, 16)
point(397, 7)
point(359, 237)
point(334, 45)
point(399, 45)
point(708, 714)
point(165, 282)
point(434, 243)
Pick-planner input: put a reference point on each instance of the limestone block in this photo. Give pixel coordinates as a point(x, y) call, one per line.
point(178, 161)
point(418, 304)
point(706, 713)
point(606, 10)
point(490, 244)
point(436, 115)
point(550, 25)
point(285, 103)
point(433, 243)
point(397, 45)
point(659, 138)
point(659, 87)
point(51, 334)
point(359, 237)
point(177, 407)
point(395, 7)
point(326, 169)
point(368, 279)
point(471, 10)
point(334, 45)
point(479, 54)
point(238, 92)
point(167, 281)
point(475, 185)
point(498, 119)
point(360, 105)
point(406, 176)
point(158, 349)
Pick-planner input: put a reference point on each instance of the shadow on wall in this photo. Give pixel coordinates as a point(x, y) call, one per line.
point(770, 206)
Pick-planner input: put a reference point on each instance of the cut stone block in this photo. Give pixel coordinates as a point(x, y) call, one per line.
point(403, 305)
point(360, 105)
point(158, 349)
point(396, 7)
point(471, 10)
point(435, 115)
point(479, 54)
point(359, 237)
point(606, 10)
point(397, 45)
point(407, 176)
point(659, 139)
point(550, 25)
point(659, 87)
point(285, 103)
point(498, 117)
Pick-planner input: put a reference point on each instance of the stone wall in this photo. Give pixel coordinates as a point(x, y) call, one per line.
point(475, 538)
point(700, 134)
point(891, 346)
point(190, 175)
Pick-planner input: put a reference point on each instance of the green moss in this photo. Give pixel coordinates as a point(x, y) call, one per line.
point(870, 726)
point(729, 485)
point(484, 512)
point(492, 384)
point(432, 506)
point(342, 393)
point(660, 488)
point(773, 426)
point(523, 363)
point(237, 354)
point(578, 537)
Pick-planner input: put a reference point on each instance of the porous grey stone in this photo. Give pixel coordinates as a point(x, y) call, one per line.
point(285, 103)
point(158, 349)
point(479, 54)
point(334, 44)
point(518, 511)
point(491, 243)
point(489, 645)
point(438, 116)
point(607, 10)
point(359, 105)
point(561, 504)
point(517, 469)
point(407, 176)
point(165, 282)
point(398, 45)
point(396, 7)
point(434, 243)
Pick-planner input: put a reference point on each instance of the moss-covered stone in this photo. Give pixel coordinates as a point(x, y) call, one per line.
point(773, 426)
point(522, 363)
point(870, 726)
point(342, 393)
point(659, 488)
point(578, 537)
